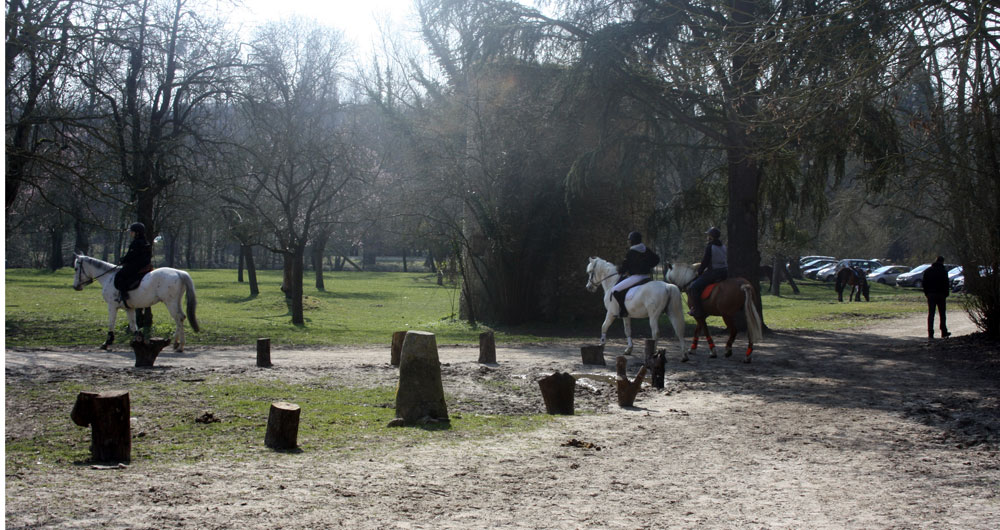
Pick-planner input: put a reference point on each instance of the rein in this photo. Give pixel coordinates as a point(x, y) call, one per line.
point(94, 278)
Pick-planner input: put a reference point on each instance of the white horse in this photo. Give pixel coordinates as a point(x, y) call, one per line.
point(646, 300)
point(162, 285)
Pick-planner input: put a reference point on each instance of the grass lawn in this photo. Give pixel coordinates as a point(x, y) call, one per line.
point(361, 308)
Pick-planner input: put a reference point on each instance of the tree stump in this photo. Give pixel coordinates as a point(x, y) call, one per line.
point(420, 395)
point(397, 347)
point(264, 352)
point(593, 354)
point(146, 352)
point(557, 392)
point(627, 390)
point(487, 348)
point(659, 370)
point(108, 414)
point(649, 348)
point(282, 426)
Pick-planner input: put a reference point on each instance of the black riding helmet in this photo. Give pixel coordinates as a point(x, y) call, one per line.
point(714, 232)
point(138, 228)
point(635, 238)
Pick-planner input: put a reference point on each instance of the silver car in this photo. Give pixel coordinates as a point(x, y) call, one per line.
point(887, 274)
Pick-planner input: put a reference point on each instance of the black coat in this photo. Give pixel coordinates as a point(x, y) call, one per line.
point(935, 280)
point(138, 257)
point(638, 262)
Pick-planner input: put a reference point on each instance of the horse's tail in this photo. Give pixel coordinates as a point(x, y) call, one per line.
point(192, 300)
point(754, 326)
point(839, 286)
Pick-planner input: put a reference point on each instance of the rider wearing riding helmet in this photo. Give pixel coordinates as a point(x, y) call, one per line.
point(138, 258)
point(713, 268)
point(639, 262)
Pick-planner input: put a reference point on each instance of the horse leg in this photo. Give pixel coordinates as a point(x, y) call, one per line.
point(132, 326)
point(628, 334)
point(178, 315)
point(604, 327)
point(112, 318)
point(731, 328)
point(708, 339)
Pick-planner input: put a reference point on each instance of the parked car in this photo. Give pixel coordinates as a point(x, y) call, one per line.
point(957, 281)
point(811, 268)
point(887, 274)
point(806, 259)
point(915, 278)
point(829, 274)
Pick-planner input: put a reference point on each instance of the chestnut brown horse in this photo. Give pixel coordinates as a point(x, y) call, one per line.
point(856, 279)
point(725, 299)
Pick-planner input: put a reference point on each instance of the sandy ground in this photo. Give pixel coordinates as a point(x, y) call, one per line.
point(872, 428)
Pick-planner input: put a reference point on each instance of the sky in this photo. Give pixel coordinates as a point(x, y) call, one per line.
point(358, 19)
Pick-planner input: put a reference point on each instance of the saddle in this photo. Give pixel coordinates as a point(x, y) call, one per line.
point(707, 291)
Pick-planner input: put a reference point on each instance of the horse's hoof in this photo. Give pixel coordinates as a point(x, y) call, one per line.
point(684, 359)
point(104, 347)
point(746, 360)
point(713, 355)
point(729, 353)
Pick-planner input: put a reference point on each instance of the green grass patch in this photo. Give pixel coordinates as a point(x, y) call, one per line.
point(364, 308)
point(334, 419)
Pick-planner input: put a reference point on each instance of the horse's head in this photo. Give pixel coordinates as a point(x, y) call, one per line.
point(598, 271)
point(80, 276)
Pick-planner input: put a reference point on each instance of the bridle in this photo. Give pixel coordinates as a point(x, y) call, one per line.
point(92, 279)
point(591, 282)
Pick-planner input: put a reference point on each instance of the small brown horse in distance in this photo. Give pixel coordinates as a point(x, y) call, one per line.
point(727, 298)
point(856, 279)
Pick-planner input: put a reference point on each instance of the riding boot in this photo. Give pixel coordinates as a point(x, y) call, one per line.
point(620, 297)
point(694, 300)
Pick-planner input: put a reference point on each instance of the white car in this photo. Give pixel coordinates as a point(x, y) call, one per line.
point(887, 274)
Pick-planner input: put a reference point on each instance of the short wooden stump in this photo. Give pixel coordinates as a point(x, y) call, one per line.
point(282, 426)
point(593, 354)
point(557, 392)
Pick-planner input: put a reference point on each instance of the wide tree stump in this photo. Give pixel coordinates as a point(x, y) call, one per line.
point(108, 414)
point(649, 347)
point(282, 426)
point(487, 348)
point(420, 396)
point(557, 392)
point(659, 370)
point(397, 347)
point(627, 390)
point(147, 351)
point(264, 352)
point(593, 354)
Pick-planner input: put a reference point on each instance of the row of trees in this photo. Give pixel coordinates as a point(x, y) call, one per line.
point(532, 139)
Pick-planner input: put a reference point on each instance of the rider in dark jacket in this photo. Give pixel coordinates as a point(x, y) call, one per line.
point(135, 261)
point(639, 262)
point(714, 267)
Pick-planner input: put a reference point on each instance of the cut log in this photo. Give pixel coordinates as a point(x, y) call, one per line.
point(593, 354)
point(650, 348)
point(659, 370)
point(107, 413)
point(397, 347)
point(557, 392)
point(146, 352)
point(487, 348)
point(420, 395)
point(282, 426)
point(264, 352)
point(627, 390)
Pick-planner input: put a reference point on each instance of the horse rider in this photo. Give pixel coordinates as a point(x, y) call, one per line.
point(136, 261)
point(713, 268)
point(639, 262)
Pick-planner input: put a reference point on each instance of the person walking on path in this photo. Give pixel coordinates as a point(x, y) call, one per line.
point(936, 289)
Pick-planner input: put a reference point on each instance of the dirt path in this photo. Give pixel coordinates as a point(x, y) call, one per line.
point(872, 428)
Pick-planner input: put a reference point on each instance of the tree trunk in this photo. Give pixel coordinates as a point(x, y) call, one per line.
point(82, 244)
point(318, 250)
point(251, 270)
point(55, 252)
point(298, 317)
point(189, 251)
point(109, 415)
point(282, 426)
point(239, 263)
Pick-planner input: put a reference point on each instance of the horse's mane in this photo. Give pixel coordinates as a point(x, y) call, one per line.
point(603, 266)
point(96, 262)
